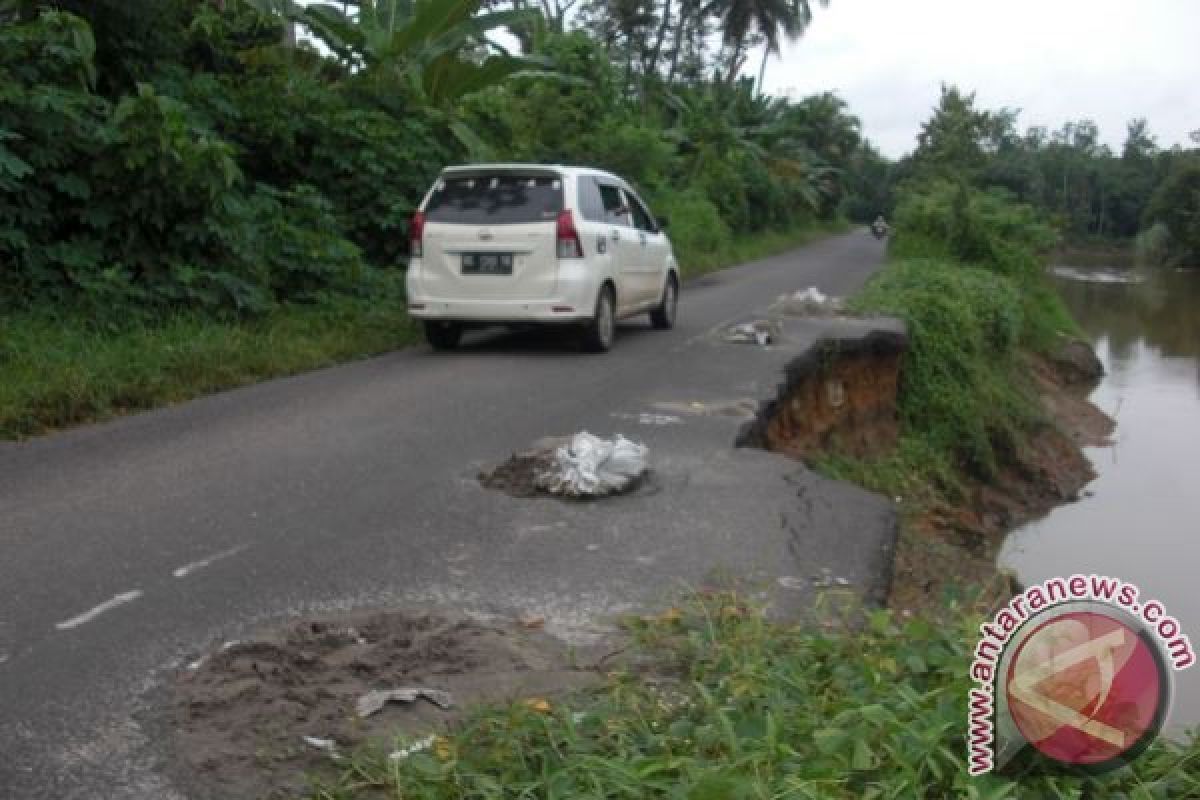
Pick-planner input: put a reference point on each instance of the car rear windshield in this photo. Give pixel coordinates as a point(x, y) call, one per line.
point(495, 199)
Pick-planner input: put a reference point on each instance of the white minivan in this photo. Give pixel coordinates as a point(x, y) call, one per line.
point(526, 243)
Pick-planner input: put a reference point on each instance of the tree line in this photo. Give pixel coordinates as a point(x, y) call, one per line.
point(1081, 186)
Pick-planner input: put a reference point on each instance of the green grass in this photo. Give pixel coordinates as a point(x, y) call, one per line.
point(62, 369)
point(744, 708)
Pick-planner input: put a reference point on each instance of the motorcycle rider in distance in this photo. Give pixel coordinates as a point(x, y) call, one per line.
point(879, 227)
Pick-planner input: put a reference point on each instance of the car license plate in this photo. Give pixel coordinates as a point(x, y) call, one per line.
point(487, 263)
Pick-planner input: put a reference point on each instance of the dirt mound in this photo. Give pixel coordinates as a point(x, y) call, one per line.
point(239, 715)
point(1076, 363)
point(518, 475)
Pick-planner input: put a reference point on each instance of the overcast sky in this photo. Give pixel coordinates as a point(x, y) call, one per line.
point(1053, 59)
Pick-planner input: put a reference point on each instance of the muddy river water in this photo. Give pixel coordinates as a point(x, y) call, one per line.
point(1140, 519)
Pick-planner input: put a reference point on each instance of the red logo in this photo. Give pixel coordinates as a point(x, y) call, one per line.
point(1087, 689)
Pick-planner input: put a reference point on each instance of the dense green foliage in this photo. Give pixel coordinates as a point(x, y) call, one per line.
point(1175, 208)
point(134, 204)
point(750, 709)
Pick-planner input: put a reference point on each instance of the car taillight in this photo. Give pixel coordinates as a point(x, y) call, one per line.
point(569, 245)
point(416, 230)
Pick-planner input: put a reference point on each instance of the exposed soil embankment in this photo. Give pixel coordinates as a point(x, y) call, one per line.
point(840, 398)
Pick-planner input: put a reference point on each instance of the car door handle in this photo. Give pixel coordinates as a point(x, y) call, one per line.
point(616, 235)
point(642, 236)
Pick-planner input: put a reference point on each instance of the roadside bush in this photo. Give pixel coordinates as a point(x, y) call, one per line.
point(291, 129)
point(50, 135)
point(953, 223)
point(696, 227)
point(139, 206)
point(949, 220)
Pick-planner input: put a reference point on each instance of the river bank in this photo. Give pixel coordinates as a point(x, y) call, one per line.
point(838, 405)
point(950, 547)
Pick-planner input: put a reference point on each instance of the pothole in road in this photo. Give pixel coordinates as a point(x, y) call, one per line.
point(580, 468)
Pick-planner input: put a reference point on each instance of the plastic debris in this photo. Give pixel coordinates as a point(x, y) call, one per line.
point(589, 466)
point(646, 418)
point(416, 747)
point(374, 700)
point(328, 745)
point(538, 704)
point(760, 332)
point(806, 302)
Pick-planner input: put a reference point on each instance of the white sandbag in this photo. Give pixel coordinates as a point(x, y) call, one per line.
point(593, 467)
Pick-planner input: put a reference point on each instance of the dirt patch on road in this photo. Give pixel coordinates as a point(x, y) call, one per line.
point(239, 716)
point(518, 475)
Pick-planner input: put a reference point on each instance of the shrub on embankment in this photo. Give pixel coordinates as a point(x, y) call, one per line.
point(967, 278)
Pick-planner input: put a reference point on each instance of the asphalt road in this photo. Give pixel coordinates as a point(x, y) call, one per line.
point(132, 546)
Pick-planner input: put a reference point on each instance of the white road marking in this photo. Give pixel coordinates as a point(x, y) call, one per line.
point(188, 569)
point(107, 605)
point(3, 657)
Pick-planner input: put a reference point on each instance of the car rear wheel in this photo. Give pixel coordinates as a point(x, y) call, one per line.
point(443, 335)
point(663, 317)
point(599, 334)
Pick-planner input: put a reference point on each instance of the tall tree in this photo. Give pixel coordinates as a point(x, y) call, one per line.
point(952, 141)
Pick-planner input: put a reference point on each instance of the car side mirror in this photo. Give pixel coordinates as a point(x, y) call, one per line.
point(663, 222)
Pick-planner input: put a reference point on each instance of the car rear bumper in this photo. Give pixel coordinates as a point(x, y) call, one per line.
point(573, 299)
point(515, 311)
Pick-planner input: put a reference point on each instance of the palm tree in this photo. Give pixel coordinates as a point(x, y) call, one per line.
point(770, 20)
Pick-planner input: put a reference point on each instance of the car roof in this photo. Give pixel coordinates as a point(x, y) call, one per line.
point(514, 166)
